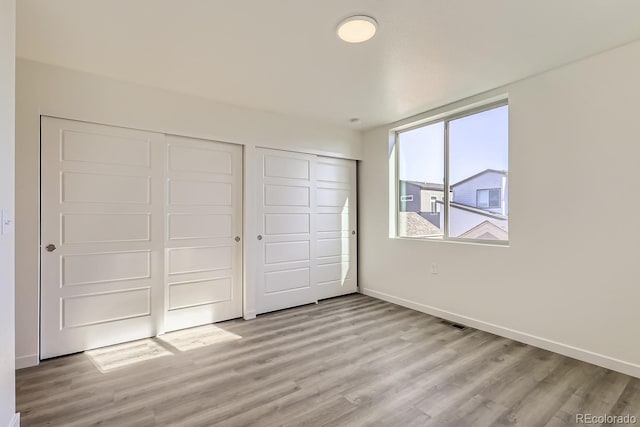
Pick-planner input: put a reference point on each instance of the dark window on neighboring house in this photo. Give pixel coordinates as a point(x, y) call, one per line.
point(488, 198)
point(408, 198)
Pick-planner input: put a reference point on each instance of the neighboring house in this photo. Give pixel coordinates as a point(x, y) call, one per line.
point(479, 206)
point(430, 194)
point(478, 209)
point(486, 231)
point(410, 196)
point(422, 197)
point(464, 219)
point(487, 190)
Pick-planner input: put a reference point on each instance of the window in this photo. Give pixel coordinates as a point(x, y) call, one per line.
point(408, 198)
point(488, 198)
point(461, 164)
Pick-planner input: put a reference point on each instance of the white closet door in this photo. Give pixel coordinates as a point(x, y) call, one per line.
point(307, 213)
point(335, 231)
point(286, 251)
point(204, 230)
point(102, 235)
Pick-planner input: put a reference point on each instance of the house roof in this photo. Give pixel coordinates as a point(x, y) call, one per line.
point(426, 185)
point(486, 230)
point(415, 225)
point(478, 174)
point(475, 210)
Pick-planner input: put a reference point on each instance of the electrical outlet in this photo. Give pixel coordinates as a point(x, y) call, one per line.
point(434, 268)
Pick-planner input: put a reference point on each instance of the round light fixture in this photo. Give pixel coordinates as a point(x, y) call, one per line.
point(357, 29)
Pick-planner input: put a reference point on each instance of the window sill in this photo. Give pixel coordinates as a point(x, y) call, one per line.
point(498, 244)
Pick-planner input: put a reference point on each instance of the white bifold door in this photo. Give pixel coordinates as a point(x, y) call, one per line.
point(307, 210)
point(140, 233)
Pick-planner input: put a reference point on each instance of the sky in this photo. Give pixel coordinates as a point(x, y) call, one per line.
point(476, 143)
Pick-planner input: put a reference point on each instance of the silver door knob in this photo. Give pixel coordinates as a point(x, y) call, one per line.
point(51, 247)
point(259, 237)
point(237, 239)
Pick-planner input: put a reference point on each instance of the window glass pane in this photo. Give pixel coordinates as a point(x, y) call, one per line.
point(421, 176)
point(478, 172)
point(482, 198)
point(494, 198)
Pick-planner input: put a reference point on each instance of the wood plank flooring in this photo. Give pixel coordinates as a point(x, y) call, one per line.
point(348, 361)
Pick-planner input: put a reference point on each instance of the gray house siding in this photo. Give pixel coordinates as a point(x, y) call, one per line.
point(409, 197)
point(466, 192)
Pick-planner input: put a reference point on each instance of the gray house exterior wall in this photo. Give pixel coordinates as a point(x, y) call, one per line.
point(465, 192)
point(411, 191)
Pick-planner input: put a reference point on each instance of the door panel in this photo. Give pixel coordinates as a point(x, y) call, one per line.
point(203, 259)
point(204, 211)
point(90, 309)
point(307, 218)
point(85, 269)
point(90, 145)
point(335, 232)
point(194, 226)
point(275, 224)
point(199, 292)
point(94, 188)
point(102, 209)
point(285, 220)
point(286, 195)
point(287, 280)
point(86, 228)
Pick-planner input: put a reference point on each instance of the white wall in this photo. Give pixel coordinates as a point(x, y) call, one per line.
point(48, 90)
point(568, 281)
point(7, 193)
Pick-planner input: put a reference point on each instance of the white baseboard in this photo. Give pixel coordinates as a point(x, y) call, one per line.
point(27, 361)
point(15, 421)
point(250, 315)
point(546, 344)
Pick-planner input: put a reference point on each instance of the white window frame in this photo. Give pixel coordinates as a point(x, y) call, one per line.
point(394, 180)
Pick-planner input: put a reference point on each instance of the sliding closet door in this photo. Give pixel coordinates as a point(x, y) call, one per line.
point(204, 232)
point(102, 235)
point(285, 251)
point(141, 233)
point(335, 232)
point(307, 229)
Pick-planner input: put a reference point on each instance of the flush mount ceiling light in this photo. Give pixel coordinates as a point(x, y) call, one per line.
point(357, 29)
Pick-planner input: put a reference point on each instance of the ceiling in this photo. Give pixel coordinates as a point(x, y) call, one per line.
point(283, 55)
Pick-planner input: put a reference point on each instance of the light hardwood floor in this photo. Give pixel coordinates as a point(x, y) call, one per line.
point(347, 361)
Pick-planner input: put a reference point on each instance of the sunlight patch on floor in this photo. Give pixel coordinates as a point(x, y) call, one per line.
point(118, 356)
point(201, 336)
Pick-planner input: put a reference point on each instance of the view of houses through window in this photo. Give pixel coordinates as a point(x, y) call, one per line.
point(468, 155)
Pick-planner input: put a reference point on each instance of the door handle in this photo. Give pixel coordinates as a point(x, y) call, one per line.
point(51, 247)
point(259, 237)
point(237, 239)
